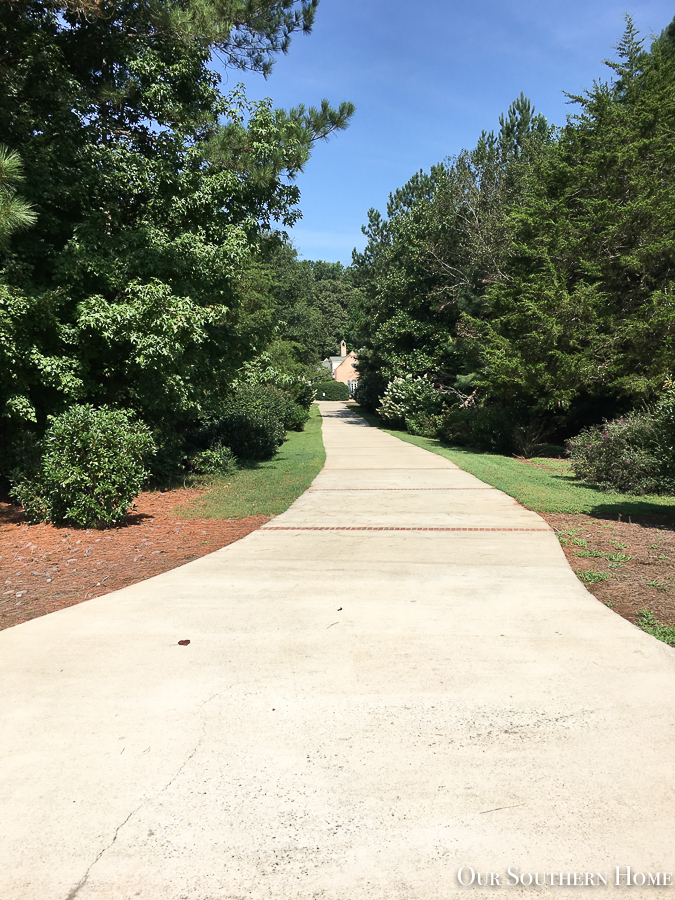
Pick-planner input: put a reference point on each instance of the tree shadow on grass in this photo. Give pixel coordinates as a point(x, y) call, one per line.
point(253, 465)
point(640, 512)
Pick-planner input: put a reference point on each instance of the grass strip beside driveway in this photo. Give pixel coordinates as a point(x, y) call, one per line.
point(544, 490)
point(266, 488)
point(627, 565)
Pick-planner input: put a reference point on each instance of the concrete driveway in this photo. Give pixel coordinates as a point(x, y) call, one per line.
point(397, 678)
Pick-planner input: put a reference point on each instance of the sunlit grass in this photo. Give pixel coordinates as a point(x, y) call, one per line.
point(540, 489)
point(266, 488)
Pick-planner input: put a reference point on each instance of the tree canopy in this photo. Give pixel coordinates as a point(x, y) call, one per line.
point(535, 273)
point(152, 197)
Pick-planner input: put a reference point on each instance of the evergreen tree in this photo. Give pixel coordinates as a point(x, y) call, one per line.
point(584, 321)
point(432, 260)
point(15, 212)
point(534, 274)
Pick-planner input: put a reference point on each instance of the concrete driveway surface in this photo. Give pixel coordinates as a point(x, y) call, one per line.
point(397, 678)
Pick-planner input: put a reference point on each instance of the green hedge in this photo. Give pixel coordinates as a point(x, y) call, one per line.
point(331, 390)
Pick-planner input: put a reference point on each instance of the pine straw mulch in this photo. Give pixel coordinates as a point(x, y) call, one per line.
point(634, 563)
point(593, 546)
point(44, 567)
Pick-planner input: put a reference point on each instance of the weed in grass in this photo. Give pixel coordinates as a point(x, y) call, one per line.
point(617, 557)
point(647, 622)
point(592, 577)
point(589, 553)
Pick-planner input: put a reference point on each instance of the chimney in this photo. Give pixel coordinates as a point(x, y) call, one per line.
point(343, 348)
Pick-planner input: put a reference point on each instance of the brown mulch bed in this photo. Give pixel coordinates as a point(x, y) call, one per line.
point(644, 581)
point(44, 568)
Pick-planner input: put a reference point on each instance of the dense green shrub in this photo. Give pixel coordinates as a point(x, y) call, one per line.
point(261, 371)
point(215, 460)
point(489, 428)
point(621, 455)
point(172, 459)
point(369, 388)
point(664, 441)
point(413, 402)
point(332, 390)
point(92, 467)
point(296, 417)
point(304, 393)
point(252, 421)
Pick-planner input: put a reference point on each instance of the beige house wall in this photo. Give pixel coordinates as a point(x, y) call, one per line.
point(346, 371)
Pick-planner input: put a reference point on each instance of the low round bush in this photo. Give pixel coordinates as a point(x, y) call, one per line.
point(91, 469)
point(216, 460)
point(487, 428)
point(252, 421)
point(620, 455)
point(297, 417)
point(664, 441)
point(413, 402)
point(331, 390)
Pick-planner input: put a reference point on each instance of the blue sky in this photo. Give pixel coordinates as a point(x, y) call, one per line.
point(427, 76)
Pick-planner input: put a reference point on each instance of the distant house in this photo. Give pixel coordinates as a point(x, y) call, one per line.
point(343, 367)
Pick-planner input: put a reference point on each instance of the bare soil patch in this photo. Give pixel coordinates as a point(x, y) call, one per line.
point(44, 567)
point(645, 580)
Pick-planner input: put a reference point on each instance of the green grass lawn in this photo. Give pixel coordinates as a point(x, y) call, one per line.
point(539, 489)
point(266, 488)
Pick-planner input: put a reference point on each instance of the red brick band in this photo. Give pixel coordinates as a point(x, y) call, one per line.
point(486, 488)
point(387, 528)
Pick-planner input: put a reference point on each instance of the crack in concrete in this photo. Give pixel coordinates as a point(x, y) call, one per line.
point(78, 887)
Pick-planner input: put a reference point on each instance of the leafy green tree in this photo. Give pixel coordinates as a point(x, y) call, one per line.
point(533, 275)
point(310, 303)
point(432, 260)
point(334, 297)
point(154, 193)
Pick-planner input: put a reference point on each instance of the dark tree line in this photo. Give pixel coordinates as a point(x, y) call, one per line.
point(530, 280)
